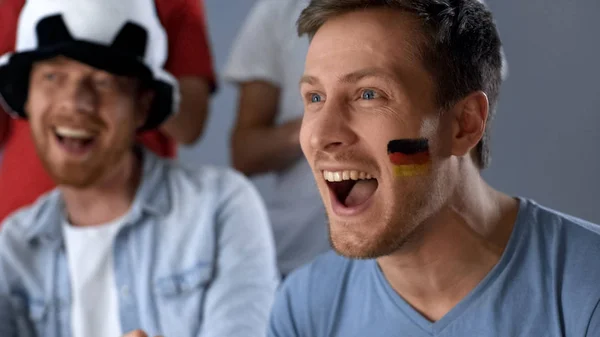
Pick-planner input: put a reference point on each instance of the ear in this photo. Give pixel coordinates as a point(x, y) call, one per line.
point(470, 117)
point(145, 100)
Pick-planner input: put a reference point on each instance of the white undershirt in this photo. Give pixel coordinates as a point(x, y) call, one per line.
point(94, 306)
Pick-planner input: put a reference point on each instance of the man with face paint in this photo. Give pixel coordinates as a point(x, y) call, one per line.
point(398, 96)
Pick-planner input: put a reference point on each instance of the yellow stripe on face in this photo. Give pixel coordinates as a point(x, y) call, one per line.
point(411, 170)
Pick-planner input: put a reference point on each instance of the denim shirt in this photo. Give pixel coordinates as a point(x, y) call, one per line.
point(195, 258)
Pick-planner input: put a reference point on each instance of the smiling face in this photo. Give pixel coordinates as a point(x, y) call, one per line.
point(364, 88)
point(83, 120)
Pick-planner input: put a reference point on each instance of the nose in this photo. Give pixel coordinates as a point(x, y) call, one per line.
point(78, 97)
point(331, 129)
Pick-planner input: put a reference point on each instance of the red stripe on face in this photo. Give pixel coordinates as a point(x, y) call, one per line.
point(398, 158)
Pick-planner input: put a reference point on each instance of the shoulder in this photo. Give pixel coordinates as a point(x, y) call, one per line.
point(553, 224)
point(168, 8)
point(271, 7)
point(26, 220)
point(214, 192)
point(280, 14)
point(204, 209)
point(12, 4)
point(570, 247)
point(20, 233)
point(215, 181)
point(311, 295)
point(257, 51)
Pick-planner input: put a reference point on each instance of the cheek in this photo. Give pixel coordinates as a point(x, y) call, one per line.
point(409, 157)
point(119, 115)
point(36, 110)
point(124, 125)
point(122, 114)
point(305, 137)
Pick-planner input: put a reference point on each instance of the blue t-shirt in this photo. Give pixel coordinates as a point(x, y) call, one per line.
point(546, 284)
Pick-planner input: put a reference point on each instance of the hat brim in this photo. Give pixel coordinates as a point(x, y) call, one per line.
point(14, 76)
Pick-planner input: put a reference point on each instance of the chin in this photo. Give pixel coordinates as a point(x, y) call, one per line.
point(369, 243)
point(78, 182)
point(375, 239)
point(77, 176)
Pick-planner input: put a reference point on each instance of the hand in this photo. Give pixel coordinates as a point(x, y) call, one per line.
point(137, 333)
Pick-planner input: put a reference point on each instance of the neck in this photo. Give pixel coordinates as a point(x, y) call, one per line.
point(106, 200)
point(454, 251)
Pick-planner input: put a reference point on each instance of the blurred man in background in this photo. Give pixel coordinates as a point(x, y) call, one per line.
point(266, 63)
point(127, 240)
point(22, 176)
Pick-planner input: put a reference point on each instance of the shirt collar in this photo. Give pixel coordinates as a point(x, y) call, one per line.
point(152, 198)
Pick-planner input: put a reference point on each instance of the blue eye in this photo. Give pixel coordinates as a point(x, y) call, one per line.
point(369, 94)
point(315, 98)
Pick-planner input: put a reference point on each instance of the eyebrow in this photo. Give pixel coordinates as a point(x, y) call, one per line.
point(353, 77)
point(55, 61)
point(308, 80)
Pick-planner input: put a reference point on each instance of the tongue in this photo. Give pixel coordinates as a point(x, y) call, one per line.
point(75, 145)
point(362, 190)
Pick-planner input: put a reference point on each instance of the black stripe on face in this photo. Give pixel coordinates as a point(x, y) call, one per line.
point(408, 146)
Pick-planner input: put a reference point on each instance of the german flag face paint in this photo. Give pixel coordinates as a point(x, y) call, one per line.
point(410, 157)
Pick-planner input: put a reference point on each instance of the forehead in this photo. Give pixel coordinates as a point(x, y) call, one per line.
point(375, 38)
point(64, 62)
point(76, 68)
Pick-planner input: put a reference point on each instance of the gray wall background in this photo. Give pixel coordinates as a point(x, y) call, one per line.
point(546, 134)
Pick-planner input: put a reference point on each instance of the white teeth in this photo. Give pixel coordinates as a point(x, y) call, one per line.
point(335, 176)
point(73, 133)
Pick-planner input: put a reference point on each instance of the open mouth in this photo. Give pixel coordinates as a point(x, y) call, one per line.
point(351, 188)
point(74, 140)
